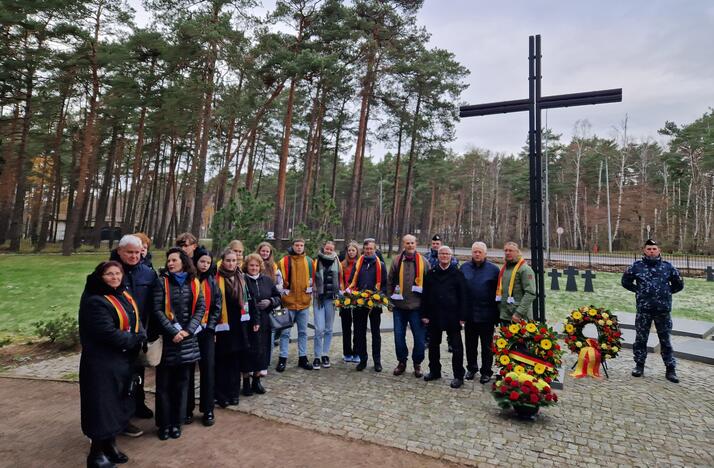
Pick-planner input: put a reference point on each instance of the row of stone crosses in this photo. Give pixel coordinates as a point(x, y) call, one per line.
point(571, 274)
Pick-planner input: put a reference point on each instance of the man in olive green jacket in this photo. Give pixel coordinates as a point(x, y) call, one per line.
point(515, 297)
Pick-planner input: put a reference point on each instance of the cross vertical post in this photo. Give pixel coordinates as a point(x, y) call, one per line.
point(534, 104)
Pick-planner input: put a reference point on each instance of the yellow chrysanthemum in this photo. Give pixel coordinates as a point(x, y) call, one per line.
point(609, 323)
point(601, 322)
point(539, 368)
point(360, 301)
point(592, 312)
point(577, 315)
point(519, 370)
point(569, 328)
point(365, 294)
point(546, 344)
point(370, 304)
point(615, 349)
point(504, 360)
point(605, 315)
point(501, 343)
point(336, 302)
point(385, 300)
point(578, 344)
point(603, 346)
point(348, 301)
point(376, 297)
point(513, 328)
point(531, 327)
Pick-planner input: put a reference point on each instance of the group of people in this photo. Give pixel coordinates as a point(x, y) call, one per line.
point(216, 312)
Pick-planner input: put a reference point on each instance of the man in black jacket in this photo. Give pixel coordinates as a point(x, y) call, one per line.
point(444, 310)
point(139, 281)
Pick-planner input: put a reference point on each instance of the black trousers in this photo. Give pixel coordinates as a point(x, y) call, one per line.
point(207, 368)
point(483, 332)
point(171, 391)
point(457, 356)
point(346, 319)
point(139, 394)
point(228, 376)
point(360, 316)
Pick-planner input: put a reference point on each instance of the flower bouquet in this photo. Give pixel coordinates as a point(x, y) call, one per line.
point(524, 393)
point(365, 298)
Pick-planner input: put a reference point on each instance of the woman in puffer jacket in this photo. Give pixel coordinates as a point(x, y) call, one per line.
point(178, 308)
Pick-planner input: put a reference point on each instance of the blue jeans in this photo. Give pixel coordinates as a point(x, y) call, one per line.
point(324, 319)
point(412, 317)
point(301, 317)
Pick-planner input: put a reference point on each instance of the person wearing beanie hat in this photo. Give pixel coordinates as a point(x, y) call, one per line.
point(653, 280)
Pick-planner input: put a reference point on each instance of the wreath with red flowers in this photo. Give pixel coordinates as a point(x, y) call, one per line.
point(608, 330)
point(528, 347)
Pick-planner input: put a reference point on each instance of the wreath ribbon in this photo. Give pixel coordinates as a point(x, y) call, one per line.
point(589, 360)
point(530, 360)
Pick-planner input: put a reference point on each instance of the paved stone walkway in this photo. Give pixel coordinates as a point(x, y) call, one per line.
point(622, 421)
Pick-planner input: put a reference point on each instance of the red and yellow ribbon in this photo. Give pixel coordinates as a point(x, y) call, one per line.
point(124, 324)
point(420, 271)
point(530, 360)
point(588, 361)
point(195, 288)
point(358, 267)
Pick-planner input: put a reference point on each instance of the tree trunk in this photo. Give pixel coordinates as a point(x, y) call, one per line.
point(279, 220)
point(393, 234)
point(408, 185)
point(8, 178)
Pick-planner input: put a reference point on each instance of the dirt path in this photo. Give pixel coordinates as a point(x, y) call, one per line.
point(39, 427)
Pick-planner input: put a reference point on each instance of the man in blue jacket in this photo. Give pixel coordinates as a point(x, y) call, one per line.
point(139, 281)
point(481, 282)
point(653, 281)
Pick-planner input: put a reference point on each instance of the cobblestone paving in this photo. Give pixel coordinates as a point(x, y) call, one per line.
point(622, 421)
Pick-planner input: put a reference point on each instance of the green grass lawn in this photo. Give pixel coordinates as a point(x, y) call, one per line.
point(35, 287)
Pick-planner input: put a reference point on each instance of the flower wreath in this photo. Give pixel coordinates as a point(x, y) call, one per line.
point(530, 348)
point(366, 298)
point(608, 329)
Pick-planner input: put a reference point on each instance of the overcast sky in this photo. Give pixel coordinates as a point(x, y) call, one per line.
point(659, 52)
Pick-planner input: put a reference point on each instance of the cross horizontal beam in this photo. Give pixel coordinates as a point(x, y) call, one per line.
point(546, 102)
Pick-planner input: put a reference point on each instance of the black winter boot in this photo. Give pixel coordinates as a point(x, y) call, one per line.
point(671, 374)
point(638, 370)
point(113, 453)
point(247, 390)
point(257, 386)
point(97, 458)
point(302, 363)
point(281, 364)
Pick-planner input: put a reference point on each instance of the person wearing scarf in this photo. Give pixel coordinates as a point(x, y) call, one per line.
point(179, 308)
point(271, 270)
point(111, 335)
point(298, 274)
point(515, 291)
point(406, 281)
point(206, 341)
point(263, 298)
point(369, 274)
point(232, 340)
point(329, 282)
point(348, 266)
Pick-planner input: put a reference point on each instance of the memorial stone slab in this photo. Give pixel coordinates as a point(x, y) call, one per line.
point(571, 273)
point(693, 328)
point(558, 385)
point(710, 273)
point(626, 320)
point(628, 340)
point(588, 275)
point(696, 350)
point(554, 275)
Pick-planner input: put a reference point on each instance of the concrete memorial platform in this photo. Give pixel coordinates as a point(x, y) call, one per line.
point(695, 350)
point(680, 326)
point(628, 340)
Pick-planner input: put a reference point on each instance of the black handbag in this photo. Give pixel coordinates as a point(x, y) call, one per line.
point(280, 319)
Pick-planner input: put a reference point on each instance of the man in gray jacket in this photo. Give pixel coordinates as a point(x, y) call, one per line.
point(406, 279)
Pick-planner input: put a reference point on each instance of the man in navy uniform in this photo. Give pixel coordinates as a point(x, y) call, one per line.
point(654, 281)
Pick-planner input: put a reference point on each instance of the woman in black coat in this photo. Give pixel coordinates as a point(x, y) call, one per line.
point(111, 334)
point(178, 308)
point(206, 341)
point(444, 309)
point(264, 297)
point(232, 330)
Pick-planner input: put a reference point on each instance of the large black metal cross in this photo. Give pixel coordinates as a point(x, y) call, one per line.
point(534, 104)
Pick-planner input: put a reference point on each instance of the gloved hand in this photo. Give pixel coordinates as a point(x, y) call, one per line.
point(263, 304)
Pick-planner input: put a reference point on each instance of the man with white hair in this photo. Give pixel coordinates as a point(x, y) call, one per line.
point(515, 290)
point(139, 280)
point(406, 282)
point(444, 309)
point(481, 282)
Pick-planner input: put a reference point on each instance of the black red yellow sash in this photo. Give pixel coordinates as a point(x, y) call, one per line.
point(285, 266)
point(358, 267)
point(124, 323)
point(195, 291)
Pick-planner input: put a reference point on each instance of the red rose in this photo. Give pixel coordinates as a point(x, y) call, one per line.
point(557, 346)
point(544, 330)
point(546, 389)
point(523, 331)
point(508, 380)
point(504, 329)
point(538, 337)
point(509, 335)
point(513, 396)
point(548, 397)
point(525, 389)
point(509, 366)
point(548, 380)
point(503, 389)
point(549, 353)
point(503, 372)
point(555, 397)
point(514, 383)
point(534, 398)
